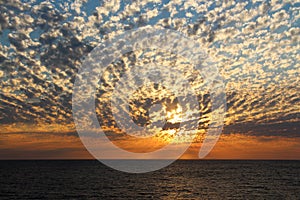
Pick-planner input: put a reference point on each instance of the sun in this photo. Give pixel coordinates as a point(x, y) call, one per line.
point(174, 116)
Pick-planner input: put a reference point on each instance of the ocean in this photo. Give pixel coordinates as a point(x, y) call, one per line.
point(184, 179)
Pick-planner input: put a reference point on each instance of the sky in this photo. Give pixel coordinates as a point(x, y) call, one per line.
point(254, 44)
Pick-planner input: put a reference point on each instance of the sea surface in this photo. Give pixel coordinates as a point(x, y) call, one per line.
point(184, 179)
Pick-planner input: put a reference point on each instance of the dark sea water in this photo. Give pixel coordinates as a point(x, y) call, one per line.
point(181, 180)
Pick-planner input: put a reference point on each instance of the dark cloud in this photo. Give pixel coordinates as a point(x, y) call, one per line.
point(286, 129)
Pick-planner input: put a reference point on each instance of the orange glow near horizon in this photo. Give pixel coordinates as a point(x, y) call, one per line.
point(66, 146)
point(238, 146)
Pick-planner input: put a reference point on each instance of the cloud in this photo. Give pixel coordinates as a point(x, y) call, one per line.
point(40, 146)
point(240, 146)
point(255, 46)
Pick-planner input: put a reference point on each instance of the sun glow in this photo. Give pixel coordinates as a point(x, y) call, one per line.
point(175, 116)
